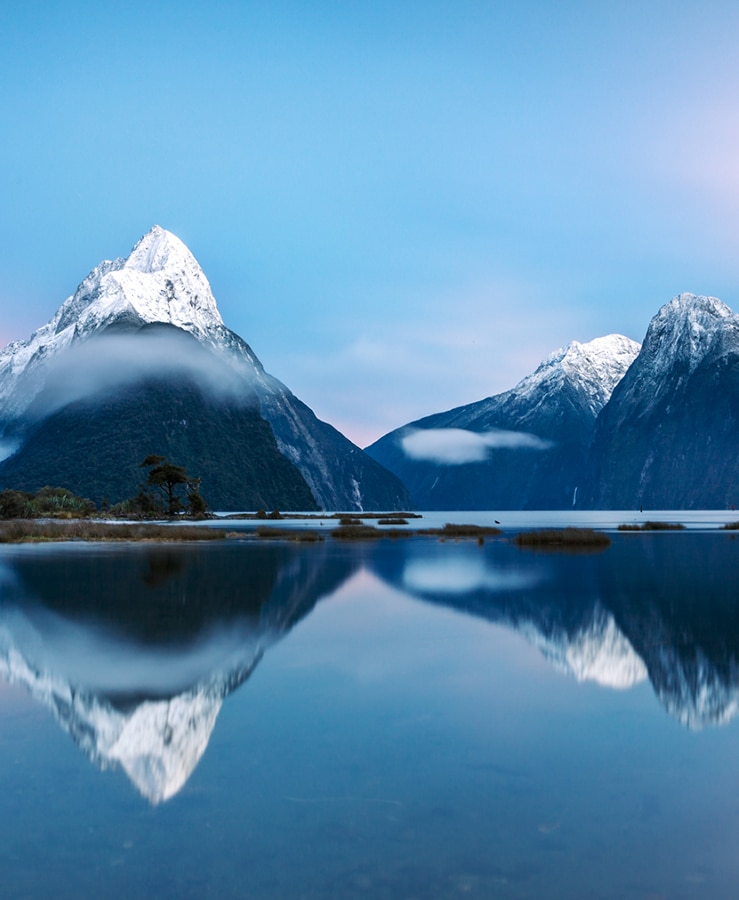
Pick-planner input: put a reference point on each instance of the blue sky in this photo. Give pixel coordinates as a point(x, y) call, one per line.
point(401, 206)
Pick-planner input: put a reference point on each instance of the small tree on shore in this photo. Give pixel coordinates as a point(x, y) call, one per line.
point(174, 485)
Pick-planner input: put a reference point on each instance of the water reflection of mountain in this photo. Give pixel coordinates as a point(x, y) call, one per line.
point(677, 598)
point(660, 606)
point(135, 650)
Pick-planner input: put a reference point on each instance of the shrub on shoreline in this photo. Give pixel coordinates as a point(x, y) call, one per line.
point(266, 532)
point(18, 531)
point(450, 530)
point(652, 526)
point(48, 502)
point(356, 532)
point(564, 538)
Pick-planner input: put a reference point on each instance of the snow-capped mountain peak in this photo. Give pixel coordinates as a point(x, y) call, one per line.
point(159, 281)
point(593, 368)
point(689, 327)
point(155, 251)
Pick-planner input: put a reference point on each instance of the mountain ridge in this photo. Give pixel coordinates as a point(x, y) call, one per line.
point(537, 435)
point(161, 282)
point(667, 437)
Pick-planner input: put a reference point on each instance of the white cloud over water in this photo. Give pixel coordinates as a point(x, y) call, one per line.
point(457, 446)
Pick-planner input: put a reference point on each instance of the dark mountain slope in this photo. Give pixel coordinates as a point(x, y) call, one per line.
point(94, 448)
point(669, 436)
point(523, 449)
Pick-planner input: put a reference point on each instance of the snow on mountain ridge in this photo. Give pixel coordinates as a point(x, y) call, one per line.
point(159, 281)
point(594, 368)
point(690, 326)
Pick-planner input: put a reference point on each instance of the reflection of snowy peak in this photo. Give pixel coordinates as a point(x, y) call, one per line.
point(600, 652)
point(586, 643)
point(157, 742)
point(641, 610)
point(160, 743)
point(693, 689)
point(697, 694)
point(134, 649)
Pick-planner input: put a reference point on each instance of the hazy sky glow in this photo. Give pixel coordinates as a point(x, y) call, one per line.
point(402, 207)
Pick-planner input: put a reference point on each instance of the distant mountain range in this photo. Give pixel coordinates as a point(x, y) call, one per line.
point(608, 424)
point(523, 449)
point(139, 361)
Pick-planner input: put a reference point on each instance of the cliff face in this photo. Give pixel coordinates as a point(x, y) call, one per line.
point(667, 438)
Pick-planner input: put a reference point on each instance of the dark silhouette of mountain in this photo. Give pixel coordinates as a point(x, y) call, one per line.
point(94, 446)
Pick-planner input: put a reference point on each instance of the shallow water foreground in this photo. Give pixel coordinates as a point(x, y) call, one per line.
point(399, 719)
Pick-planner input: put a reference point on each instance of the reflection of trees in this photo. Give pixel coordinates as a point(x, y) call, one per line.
point(160, 595)
point(162, 565)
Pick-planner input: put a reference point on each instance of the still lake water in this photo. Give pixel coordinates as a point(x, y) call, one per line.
point(396, 719)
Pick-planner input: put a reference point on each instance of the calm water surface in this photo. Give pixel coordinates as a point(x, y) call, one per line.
point(397, 719)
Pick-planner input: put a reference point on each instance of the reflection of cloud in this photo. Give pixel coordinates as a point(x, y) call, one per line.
point(460, 575)
point(456, 446)
point(96, 659)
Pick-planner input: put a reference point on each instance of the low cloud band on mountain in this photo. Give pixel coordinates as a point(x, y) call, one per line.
point(113, 361)
point(457, 446)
